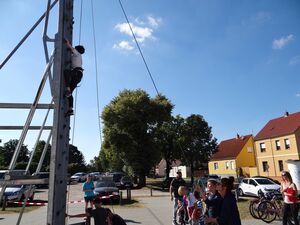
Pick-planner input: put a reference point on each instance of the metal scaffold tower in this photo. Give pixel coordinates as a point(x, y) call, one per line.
point(57, 63)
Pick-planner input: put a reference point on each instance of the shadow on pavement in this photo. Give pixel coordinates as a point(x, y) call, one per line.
point(132, 221)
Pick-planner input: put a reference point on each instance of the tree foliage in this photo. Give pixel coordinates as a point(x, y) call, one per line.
point(130, 121)
point(7, 151)
point(197, 142)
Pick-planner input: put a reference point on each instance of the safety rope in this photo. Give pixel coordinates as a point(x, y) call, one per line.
point(96, 70)
point(75, 109)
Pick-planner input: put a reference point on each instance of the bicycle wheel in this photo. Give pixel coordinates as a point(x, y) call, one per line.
point(253, 208)
point(267, 211)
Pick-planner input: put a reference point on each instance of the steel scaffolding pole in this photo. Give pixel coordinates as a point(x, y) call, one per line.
point(61, 124)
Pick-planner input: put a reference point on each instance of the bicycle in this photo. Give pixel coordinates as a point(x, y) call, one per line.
point(269, 210)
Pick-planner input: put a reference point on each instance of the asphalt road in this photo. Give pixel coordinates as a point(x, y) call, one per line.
point(155, 210)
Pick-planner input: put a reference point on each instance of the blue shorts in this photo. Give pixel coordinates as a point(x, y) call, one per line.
point(89, 198)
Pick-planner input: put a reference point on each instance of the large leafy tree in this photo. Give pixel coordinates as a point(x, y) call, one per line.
point(130, 120)
point(7, 151)
point(76, 160)
point(197, 142)
point(37, 155)
point(167, 141)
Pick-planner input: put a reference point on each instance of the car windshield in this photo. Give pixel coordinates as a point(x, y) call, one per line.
point(14, 186)
point(105, 184)
point(2, 176)
point(264, 181)
point(77, 174)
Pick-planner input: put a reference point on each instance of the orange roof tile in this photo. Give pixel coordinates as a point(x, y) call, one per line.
point(280, 126)
point(230, 148)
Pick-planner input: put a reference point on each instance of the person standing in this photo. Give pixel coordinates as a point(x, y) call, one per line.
point(212, 199)
point(175, 184)
point(229, 211)
point(289, 191)
point(88, 189)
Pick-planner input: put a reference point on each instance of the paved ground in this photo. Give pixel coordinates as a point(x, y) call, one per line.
point(156, 210)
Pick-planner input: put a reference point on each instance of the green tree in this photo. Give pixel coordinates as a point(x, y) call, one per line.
point(130, 120)
point(37, 155)
point(197, 142)
point(7, 151)
point(76, 160)
point(167, 141)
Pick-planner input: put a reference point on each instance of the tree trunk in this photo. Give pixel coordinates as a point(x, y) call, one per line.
point(192, 173)
point(168, 168)
point(142, 180)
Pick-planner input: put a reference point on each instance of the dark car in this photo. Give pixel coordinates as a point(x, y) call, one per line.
point(126, 182)
point(42, 175)
point(117, 176)
point(107, 190)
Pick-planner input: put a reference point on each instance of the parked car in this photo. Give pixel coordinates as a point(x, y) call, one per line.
point(117, 176)
point(126, 182)
point(107, 188)
point(78, 177)
point(95, 175)
point(18, 192)
point(257, 186)
point(42, 175)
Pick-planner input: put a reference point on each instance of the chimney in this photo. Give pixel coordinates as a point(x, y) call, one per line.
point(237, 136)
point(286, 114)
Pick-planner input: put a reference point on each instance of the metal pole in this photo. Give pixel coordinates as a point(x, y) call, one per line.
point(37, 141)
point(25, 37)
point(61, 124)
point(38, 169)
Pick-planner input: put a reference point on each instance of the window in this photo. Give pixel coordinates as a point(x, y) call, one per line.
point(262, 147)
point(245, 181)
point(252, 182)
point(287, 143)
point(280, 165)
point(232, 165)
point(216, 166)
point(265, 166)
point(250, 149)
point(277, 144)
point(227, 165)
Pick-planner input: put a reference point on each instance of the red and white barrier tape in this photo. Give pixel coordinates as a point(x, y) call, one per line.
point(70, 202)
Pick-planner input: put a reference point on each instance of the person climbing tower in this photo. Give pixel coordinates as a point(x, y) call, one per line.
point(74, 75)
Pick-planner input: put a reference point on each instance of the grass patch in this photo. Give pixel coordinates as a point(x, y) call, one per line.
point(243, 206)
point(17, 209)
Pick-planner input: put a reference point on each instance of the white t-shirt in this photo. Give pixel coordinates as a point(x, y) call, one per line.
point(76, 59)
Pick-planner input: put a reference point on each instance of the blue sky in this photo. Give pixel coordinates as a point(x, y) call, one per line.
point(234, 62)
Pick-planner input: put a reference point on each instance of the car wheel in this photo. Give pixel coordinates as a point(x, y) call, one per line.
point(241, 193)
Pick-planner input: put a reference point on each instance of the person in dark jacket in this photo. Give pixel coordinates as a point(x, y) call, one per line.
point(212, 199)
point(114, 219)
point(229, 211)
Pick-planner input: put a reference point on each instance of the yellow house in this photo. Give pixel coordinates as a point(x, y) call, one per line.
point(276, 143)
point(234, 157)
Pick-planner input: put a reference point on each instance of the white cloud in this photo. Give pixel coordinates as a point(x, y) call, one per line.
point(123, 45)
point(281, 42)
point(141, 33)
point(295, 60)
point(298, 95)
point(154, 22)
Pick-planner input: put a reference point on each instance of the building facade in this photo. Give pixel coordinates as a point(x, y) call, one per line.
point(276, 143)
point(234, 157)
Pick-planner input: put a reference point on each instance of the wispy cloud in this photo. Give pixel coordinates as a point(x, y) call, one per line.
point(281, 42)
point(123, 45)
point(298, 95)
point(141, 33)
point(154, 22)
point(261, 17)
point(295, 60)
point(142, 29)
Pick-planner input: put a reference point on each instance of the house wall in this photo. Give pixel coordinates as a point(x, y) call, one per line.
point(222, 170)
point(246, 157)
point(272, 156)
